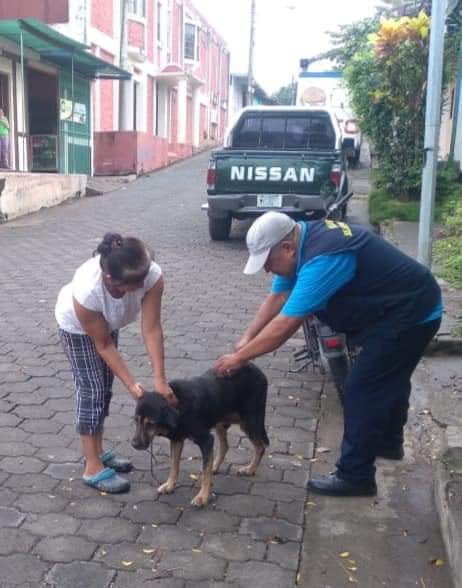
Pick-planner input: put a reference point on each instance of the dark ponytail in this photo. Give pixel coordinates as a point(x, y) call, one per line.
point(125, 259)
point(110, 240)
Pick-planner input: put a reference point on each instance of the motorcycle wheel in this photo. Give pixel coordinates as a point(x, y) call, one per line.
point(339, 368)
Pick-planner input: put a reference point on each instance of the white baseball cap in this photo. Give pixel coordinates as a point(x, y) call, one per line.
point(266, 232)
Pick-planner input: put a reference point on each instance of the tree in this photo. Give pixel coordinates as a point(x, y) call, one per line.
point(399, 8)
point(385, 63)
point(286, 94)
point(349, 40)
point(387, 85)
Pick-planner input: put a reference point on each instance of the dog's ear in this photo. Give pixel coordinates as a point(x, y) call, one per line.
point(170, 417)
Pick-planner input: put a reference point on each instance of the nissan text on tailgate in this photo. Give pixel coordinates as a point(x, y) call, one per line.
point(283, 158)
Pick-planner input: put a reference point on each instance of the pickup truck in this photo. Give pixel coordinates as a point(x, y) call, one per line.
point(284, 158)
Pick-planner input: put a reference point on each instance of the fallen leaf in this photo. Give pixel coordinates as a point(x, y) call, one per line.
point(314, 459)
point(344, 554)
point(438, 562)
point(311, 503)
point(351, 561)
point(196, 550)
point(323, 450)
point(103, 493)
point(127, 564)
point(297, 579)
point(149, 551)
point(353, 569)
point(193, 477)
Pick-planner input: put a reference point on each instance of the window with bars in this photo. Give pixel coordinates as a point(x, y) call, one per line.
point(191, 35)
point(137, 7)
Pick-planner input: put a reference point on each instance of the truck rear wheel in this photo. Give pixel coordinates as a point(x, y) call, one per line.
point(219, 228)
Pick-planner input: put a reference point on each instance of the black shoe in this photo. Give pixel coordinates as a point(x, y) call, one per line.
point(332, 485)
point(396, 453)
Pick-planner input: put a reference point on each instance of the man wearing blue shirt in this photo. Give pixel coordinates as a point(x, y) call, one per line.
point(361, 285)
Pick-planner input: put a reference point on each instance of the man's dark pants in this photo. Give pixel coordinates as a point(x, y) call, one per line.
point(376, 399)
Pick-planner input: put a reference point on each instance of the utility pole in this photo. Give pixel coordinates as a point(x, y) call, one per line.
point(249, 94)
point(125, 86)
point(432, 130)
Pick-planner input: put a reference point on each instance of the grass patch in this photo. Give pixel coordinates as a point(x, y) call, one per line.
point(382, 208)
point(448, 256)
point(448, 249)
point(448, 213)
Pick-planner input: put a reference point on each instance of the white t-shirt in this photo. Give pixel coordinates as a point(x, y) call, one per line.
point(88, 289)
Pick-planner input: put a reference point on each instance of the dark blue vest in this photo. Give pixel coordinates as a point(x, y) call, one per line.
point(389, 292)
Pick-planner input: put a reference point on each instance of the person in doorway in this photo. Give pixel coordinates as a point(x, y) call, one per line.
point(107, 293)
point(361, 285)
point(4, 141)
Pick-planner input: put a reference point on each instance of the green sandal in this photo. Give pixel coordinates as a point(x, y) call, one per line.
point(118, 464)
point(107, 481)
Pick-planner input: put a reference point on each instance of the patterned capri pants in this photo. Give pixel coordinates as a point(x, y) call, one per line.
point(92, 379)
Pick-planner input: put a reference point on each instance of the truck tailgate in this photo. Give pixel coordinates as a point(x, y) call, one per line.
point(245, 172)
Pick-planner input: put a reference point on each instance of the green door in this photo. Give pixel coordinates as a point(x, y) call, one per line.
point(74, 125)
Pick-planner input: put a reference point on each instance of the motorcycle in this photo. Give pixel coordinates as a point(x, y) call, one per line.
point(326, 350)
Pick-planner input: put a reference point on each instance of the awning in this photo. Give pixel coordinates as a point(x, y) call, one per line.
point(59, 49)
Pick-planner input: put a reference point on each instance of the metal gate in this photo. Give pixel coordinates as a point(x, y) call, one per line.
point(74, 124)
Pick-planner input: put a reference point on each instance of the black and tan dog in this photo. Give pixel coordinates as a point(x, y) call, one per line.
point(204, 403)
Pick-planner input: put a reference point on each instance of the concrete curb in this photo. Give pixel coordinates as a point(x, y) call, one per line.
point(444, 345)
point(448, 499)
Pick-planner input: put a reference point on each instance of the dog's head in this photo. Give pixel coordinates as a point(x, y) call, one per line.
point(153, 417)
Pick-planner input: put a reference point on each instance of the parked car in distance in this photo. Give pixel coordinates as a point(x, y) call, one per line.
point(327, 89)
point(284, 158)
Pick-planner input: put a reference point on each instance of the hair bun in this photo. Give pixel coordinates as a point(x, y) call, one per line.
point(110, 241)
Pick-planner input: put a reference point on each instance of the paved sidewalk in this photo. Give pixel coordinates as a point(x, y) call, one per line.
point(440, 377)
point(394, 538)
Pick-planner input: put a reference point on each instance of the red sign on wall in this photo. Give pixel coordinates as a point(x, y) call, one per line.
point(48, 11)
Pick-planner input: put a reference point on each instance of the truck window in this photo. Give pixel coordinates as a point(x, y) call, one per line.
point(312, 131)
point(321, 134)
point(247, 135)
point(297, 133)
point(272, 133)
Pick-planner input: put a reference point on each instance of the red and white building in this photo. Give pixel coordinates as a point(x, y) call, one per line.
point(176, 101)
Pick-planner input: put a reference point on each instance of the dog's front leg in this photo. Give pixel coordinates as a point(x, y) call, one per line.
point(176, 448)
point(206, 446)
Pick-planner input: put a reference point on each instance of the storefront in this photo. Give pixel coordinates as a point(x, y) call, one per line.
point(51, 78)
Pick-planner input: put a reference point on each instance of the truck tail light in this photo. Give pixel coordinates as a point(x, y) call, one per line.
point(211, 176)
point(351, 126)
point(336, 175)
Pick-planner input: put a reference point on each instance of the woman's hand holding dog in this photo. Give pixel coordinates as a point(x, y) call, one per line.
point(136, 390)
point(164, 389)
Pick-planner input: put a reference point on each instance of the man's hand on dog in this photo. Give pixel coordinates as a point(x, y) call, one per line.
point(164, 389)
point(242, 342)
point(226, 365)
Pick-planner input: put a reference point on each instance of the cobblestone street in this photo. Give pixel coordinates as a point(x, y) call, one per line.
point(54, 531)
